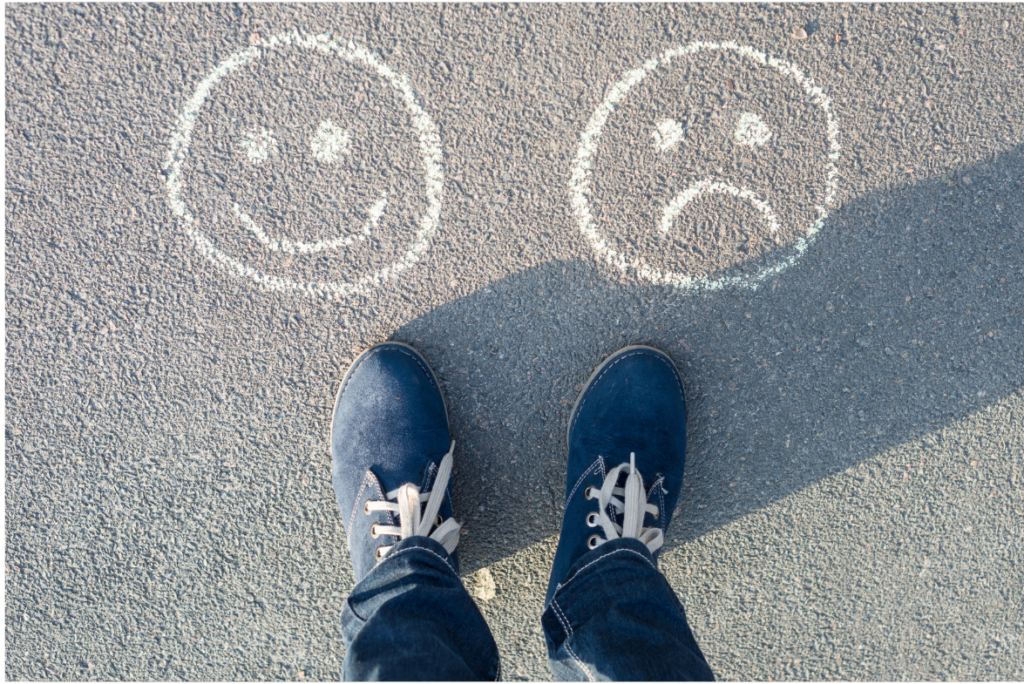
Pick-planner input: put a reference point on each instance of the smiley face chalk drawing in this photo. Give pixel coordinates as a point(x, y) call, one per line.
point(306, 165)
point(709, 166)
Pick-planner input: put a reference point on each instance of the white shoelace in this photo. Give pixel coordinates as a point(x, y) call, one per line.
point(633, 509)
point(414, 521)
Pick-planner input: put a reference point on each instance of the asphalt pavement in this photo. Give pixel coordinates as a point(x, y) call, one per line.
point(815, 210)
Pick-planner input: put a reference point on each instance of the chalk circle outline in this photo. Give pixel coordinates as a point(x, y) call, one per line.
point(430, 149)
point(579, 179)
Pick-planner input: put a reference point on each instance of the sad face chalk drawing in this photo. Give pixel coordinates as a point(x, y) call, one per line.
point(709, 166)
point(305, 165)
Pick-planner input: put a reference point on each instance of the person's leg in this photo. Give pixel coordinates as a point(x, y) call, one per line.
point(409, 617)
point(609, 614)
point(616, 618)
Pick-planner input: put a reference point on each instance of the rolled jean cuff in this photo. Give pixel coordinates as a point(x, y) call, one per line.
point(411, 618)
point(615, 617)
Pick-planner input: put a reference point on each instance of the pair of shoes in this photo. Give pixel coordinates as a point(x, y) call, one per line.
point(392, 456)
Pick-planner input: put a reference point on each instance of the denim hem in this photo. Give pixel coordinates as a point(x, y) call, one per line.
point(591, 558)
point(411, 613)
point(612, 606)
point(420, 543)
point(416, 545)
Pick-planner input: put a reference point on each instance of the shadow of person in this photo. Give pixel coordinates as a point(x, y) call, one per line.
point(904, 316)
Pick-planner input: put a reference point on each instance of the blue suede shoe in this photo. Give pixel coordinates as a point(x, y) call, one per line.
point(392, 455)
point(627, 448)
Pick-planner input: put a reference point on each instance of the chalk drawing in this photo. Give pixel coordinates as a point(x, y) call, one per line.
point(667, 135)
point(751, 130)
point(707, 187)
point(259, 144)
point(297, 247)
point(581, 171)
point(331, 143)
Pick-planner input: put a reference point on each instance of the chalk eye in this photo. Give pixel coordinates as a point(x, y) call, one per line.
point(259, 144)
point(330, 143)
point(751, 130)
point(668, 134)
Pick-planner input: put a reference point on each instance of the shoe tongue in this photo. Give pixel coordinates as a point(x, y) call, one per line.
point(429, 473)
point(614, 515)
point(619, 517)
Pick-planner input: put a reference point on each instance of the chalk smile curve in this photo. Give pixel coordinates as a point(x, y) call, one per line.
point(299, 247)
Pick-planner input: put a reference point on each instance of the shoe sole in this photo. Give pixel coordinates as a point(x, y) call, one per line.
point(597, 371)
point(355, 364)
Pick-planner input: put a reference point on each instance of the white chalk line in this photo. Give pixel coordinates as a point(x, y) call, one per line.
point(751, 130)
point(430, 150)
point(330, 143)
point(709, 187)
point(667, 135)
point(259, 145)
point(298, 247)
point(579, 179)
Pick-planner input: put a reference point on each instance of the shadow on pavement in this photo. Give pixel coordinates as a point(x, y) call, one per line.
point(903, 317)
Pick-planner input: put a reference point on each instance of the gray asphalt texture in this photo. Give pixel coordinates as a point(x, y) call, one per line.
point(854, 499)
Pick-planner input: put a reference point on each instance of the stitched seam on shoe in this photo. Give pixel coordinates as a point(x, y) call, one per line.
point(586, 472)
point(600, 461)
point(382, 497)
point(497, 677)
point(568, 628)
point(355, 506)
point(380, 348)
point(675, 372)
point(370, 478)
point(598, 560)
point(420, 548)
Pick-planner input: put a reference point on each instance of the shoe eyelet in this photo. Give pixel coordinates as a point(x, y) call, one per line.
point(366, 507)
point(588, 493)
point(591, 519)
point(378, 554)
point(592, 541)
point(373, 531)
point(438, 521)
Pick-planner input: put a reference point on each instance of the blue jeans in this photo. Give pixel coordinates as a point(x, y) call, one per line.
point(614, 618)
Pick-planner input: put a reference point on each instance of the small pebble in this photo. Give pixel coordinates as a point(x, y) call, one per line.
point(482, 585)
point(800, 33)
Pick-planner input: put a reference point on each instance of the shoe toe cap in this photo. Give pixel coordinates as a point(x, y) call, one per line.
point(636, 403)
point(389, 416)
